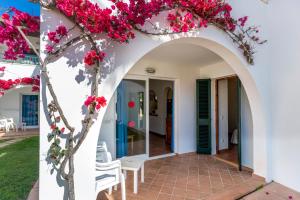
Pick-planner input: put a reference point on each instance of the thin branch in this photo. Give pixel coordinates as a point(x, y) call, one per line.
point(48, 82)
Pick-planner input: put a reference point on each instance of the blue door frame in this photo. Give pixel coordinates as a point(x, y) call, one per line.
point(121, 132)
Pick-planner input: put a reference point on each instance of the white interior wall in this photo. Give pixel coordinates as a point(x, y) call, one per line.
point(157, 124)
point(223, 114)
point(11, 103)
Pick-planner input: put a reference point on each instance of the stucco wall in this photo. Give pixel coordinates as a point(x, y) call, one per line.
point(271, 87)
point(11, 103)
point(284, 70)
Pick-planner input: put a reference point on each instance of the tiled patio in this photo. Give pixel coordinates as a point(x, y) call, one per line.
point(188, 177)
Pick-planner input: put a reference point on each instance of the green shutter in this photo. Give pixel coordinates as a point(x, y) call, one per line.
point(203, 116)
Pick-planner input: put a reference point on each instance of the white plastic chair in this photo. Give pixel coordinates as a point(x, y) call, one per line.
point(10, 124)
point(3, 124)
point(7, 124)
point(108, 172)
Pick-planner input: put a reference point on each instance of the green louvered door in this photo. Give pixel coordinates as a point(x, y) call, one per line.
point(203, 102)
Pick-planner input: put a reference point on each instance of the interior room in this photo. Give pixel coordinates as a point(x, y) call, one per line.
point(160, 117)
point(228, 119)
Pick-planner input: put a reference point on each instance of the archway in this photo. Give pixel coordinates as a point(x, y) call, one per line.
point(124, 60)
point(240, 69)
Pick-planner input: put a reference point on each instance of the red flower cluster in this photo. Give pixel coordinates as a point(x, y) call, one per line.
point(91, 57)
point(98, 102)
point(9, 84)
point(188, 14)
point(97, 20)
point(11, 37)
point(243, 20)
point(55, 37)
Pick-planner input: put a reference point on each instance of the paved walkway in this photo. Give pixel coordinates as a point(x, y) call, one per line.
point(9, 142)
point(13, 137)
point(34, 193)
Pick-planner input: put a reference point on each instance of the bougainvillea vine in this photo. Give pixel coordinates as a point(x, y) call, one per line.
point(9, 84)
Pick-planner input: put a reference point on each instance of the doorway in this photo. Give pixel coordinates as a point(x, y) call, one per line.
point(228, 144)
point(161, 109)
point(131, 131)
point(30, 111)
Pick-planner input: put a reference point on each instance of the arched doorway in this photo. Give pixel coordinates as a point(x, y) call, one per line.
point(124, 60)
point(229, 62)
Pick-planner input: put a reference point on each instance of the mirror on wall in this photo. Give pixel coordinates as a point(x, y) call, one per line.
point(153, 103)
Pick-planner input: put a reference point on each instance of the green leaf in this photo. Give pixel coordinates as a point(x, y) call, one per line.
point(50, 136)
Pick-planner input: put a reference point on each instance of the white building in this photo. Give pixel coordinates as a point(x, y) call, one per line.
point(269, 110)
point(20, 103)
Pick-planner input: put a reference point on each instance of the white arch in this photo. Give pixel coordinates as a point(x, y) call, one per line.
point(125, 57)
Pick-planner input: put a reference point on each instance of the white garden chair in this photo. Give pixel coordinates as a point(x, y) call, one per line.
point(3, 125)
point(11, 124)
point(108, 172)
point(7, 124)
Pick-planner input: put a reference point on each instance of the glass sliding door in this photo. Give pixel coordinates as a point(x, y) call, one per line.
point(131, 118)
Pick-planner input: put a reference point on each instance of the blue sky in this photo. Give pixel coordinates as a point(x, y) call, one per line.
point(23, 5)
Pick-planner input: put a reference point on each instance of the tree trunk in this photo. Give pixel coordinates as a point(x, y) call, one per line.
point(71, 190)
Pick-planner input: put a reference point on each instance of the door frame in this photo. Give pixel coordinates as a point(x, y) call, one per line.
point(217, 128)
point(175, 110)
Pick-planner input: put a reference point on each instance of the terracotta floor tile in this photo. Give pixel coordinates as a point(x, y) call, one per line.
point(188, 177)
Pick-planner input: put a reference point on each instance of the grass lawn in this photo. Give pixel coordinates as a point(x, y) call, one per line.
point(18, 168)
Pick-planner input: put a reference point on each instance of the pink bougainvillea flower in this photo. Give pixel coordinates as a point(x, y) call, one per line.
point(5, 16)
point(9, 84)
point(91, 57)
point(131, 104)
point(49, 48)
point(2, 69)
point(99, 102)
point(53, 126)
point(35, 89)
point(61, 30)
point(89, 100)
point(62, 130)
point(131, 124)
point(243, 20)
point(16, 45)
point(1, 94)
point(52, 36)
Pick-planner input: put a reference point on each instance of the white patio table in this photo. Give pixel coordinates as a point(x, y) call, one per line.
point(134, 163)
